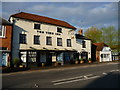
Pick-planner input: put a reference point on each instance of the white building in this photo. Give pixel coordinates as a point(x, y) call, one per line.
point(83, 46)
point(38, 39)
point(103, 52)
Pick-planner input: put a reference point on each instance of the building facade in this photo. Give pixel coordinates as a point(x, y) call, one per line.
point(5, 42)
point(83, 46)
point(39, 39)
point(103, 52)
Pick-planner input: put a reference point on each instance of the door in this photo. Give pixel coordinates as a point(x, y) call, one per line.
point(4, 59)
point(49, 58)
point(84, 56)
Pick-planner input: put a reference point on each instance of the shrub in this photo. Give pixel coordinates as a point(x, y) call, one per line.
point(81, 59)
point(89, 59)
point(16, 61)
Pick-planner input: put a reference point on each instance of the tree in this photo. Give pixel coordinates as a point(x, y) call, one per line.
point(94, 33)
point(110, 35)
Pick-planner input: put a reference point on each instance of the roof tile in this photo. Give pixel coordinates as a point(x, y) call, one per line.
point(44, 19)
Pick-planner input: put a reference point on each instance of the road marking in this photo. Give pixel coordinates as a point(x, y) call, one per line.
point(72, 78)
point(117, 70)
point(112, 70)
point(104, 73)
point(75, 80)
point(67, 79)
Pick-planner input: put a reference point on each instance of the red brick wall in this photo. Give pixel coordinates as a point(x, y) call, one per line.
point(6, 42)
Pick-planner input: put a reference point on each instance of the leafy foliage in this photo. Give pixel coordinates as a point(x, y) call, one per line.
point(108, 35)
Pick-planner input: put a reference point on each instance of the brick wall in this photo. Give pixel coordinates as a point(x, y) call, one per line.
point(6, 42)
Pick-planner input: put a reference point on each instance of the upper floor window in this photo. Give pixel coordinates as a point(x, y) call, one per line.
point(68, 42)
point(83, 44)
point(59, 41)
point(36, 26)
point(59, 30)
point(36, 39)
point(2, 31)
point(22, 38)
point(48, 40)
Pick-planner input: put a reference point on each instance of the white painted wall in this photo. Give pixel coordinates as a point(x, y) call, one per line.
point(106, 50)
point(27, 27)
point(88, 46)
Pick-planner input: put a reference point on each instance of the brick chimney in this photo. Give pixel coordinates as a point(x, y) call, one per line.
point(80, 32)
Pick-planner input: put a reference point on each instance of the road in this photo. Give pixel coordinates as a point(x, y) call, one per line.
point(92, 76)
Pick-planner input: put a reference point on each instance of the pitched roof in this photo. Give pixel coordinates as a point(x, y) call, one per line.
point(100, 46)
point(44, 19)
point(4, 22)
point(78, 36)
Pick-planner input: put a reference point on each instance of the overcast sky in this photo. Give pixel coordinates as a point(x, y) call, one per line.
point(78, 14)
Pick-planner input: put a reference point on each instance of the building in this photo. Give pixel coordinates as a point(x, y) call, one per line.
point(5, 42)
point(38, 39)
point(83, 46)
point(103, 52)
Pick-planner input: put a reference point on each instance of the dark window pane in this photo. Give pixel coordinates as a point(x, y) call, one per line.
point(36, 26)
point(22, 38)
point(59, 41)
point(36, 39)
point(68, 42)
point(48, 40)
point(59, 30)
point(83, 44)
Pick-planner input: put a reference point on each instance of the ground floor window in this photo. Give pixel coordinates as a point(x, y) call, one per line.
point(4, 59)
point(104, 55)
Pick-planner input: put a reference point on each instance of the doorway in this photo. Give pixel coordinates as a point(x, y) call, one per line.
point(84, 55)
point(48, 59)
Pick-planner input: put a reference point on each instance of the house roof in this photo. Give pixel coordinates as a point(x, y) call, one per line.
point(78, 36)
point(4, 22)
point(100, 46)
point(33, 17)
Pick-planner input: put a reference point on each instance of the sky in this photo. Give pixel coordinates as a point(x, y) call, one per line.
point(79, 14)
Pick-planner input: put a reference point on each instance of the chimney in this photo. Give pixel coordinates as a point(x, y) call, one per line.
point(80, 32)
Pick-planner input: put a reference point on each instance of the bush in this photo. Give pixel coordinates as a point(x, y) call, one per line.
point(89, 59)
point(81, 59)
point(16, 61)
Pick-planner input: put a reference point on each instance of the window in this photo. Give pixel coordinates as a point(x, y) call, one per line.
point(101, 55)
point(2, 31)
point(83, 44)
point(68, 42)
point(22, 38)
point(36, 26)
point(48, 40)
point(59, 30)
point(36, 39)
point(59, 41)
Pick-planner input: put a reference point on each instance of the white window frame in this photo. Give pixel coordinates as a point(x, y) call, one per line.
point(3, 28)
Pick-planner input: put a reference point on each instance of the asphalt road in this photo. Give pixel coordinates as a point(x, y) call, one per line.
point(92, 76)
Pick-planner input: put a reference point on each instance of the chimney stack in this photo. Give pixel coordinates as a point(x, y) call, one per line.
point(80, 32)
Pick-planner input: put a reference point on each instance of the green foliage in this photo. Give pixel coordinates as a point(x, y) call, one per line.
point(89, 59)
point(81, 59)
point(108, 35)
point(93, 33)
point(16, 61)
point(77, 59)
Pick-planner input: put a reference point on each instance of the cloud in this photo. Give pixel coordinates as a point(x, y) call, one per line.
point(78, 14)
